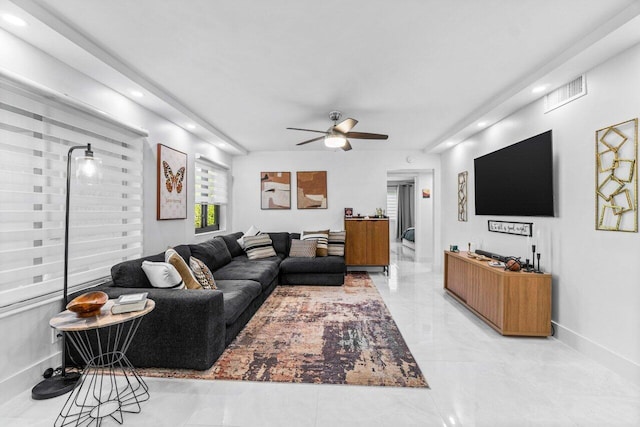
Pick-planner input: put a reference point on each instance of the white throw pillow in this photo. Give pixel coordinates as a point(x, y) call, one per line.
point(252, 231)
point(162, 275)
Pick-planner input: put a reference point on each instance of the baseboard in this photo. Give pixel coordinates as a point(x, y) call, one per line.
point(617, 363)
point(27, 378)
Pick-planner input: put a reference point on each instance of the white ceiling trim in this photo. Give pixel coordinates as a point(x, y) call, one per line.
point(112, 60)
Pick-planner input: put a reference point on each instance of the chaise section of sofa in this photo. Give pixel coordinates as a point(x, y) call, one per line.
point(190, 328)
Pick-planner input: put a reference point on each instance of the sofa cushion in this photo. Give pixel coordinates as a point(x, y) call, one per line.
point(232, 243)
point(263, 271)
point(336, 242)
point(162, 275)
point(280, 242)
point(202, 273)
point(213, 253)
point(252, 231)
point(328, 264)
point(303, 248)
point(259, 246)
point(322, 237)
point(237, 294)
point(129, 274)
point(173, 258)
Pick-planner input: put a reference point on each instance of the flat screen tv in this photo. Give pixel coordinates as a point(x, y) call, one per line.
point(516, 180)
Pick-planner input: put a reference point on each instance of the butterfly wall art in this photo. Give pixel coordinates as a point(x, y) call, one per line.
point(172, 188)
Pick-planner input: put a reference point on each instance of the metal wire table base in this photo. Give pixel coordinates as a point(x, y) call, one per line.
point(110, 385)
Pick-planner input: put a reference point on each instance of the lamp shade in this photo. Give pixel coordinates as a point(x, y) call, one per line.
point(88, 169)
point(335, 140)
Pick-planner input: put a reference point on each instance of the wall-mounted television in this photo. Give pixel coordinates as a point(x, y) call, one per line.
point(516, 180)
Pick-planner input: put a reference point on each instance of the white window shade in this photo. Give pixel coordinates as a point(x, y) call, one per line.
point(211, 182)
point(36, 133)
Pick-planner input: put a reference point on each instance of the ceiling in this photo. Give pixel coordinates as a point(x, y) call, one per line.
point(242, 71)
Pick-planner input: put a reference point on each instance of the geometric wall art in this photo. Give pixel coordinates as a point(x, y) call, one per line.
point(462, 195)
point(617, 177)
point(275, 190)
point(312, 190)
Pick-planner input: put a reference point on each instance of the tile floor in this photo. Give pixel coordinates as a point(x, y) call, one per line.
point(477, 378)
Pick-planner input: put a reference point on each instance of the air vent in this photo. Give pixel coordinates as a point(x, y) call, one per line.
point(566, 93)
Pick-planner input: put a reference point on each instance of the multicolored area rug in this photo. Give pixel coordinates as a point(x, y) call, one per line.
point(317, 334)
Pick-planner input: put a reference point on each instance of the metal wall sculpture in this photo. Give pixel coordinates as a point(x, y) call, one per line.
point(617, 177)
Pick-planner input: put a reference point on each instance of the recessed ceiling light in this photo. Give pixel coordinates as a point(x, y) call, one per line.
point(14, 20)
point(191, 126)
point(450, 144)
point(136, 93)
point(222, 145)
point(538, 89)
point(482, 124)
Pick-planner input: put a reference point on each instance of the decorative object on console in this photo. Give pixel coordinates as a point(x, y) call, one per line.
point(259, 246)
point(172, 193)
point(89, 304)
point(348, 212)
point(312, 190)
point(511, 227)
point(275, 190)
point(88, 172)
point(462, 196)
point(617, 177)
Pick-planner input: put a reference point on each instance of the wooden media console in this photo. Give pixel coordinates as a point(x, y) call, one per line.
point(512, 303)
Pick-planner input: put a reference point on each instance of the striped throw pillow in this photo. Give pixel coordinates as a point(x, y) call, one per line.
point(303, 248)
point(202, 273)
point(259, 246)
point(336, 242)
point(322, 238)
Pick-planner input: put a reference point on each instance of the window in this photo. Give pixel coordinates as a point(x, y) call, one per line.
point(211, 195)
point(36, 131)
point(392, 202)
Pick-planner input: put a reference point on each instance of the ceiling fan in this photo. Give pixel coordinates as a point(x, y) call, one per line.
point(336, 136)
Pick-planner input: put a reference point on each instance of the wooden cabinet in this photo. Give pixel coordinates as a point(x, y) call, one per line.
point(513, 303)
point(367, 242)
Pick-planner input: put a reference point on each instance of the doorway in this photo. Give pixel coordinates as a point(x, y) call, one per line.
point(410, 211)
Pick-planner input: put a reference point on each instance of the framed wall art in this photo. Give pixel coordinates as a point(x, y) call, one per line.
point(172, 185)
point(275, 190)
point(617, 177)
point(462, 195)
point(312, 190)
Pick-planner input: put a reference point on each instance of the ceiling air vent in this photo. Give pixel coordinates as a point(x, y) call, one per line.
point(566, 93)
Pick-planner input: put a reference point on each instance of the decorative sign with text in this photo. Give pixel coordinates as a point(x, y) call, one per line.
point(511, 227)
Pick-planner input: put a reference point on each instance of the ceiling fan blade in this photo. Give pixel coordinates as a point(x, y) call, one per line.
point(310, 140)
point(346, 125)
point(365, 135)
point(346, 146)
point(309, 130)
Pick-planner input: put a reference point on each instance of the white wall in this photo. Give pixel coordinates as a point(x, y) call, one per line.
point(596, 274)
point(25, 335)
point(356, 179)
point(424, 217)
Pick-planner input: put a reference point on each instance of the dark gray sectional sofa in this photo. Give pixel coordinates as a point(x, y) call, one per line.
point(191, 328)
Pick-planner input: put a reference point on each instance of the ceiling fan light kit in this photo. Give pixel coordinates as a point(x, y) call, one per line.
point(336, 136)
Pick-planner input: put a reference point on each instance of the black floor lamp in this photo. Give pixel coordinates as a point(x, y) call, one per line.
point(88, 171)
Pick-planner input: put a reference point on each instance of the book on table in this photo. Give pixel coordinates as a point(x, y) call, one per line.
point(129, 303)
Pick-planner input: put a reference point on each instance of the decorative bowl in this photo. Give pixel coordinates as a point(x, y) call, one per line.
point(89, 304)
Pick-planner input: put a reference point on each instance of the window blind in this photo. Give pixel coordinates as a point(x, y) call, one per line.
point(212, 182)
point(392, 202)
point(36, 132)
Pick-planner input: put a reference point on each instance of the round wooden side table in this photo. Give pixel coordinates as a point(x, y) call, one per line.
point(109, 385)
